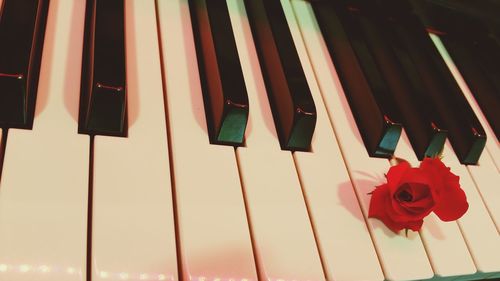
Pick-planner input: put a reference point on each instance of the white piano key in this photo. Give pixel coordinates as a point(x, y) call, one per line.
point(492, 145)
point(402, 258)
point(486, 171)
point(283, 239)
point(440, 238)
point(213, 231)
point(476, 225)
point(133, 232)
point(486, 179)
point(43, 192)
point(330, 196)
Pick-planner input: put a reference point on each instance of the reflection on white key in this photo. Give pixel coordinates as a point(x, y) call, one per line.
point(402, 258)
point(133, 233)
point(476, 225)
point(440, 238)
point(284, 243)
point(341, 232)
point(213, 231)
point(43, 192)
point(485, 173)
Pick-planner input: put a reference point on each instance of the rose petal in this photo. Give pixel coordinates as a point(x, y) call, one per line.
point(450, 199)
point(410, 176)
point(453, 206)
point(395, 174)
point(379, 201)
point(402, 214)
point(437, 173)
point(415, 182)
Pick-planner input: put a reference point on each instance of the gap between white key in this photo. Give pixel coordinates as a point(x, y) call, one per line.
point(284, 243)
point(133, 229)
point(43, 193)
point(214, 238)
point(401, 257)
point(486, 173)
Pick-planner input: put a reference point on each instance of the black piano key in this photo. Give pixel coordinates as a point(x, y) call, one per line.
point(475, 72)
point(489, 61)
point(290, 98)
point(485, 10)
point(487, 51)
point(404, 89)
point(465, 132)
point(224, 90)
point(363, 83)
point(22, 30)
point(471, 44)
point(103, 88)
point(423, 123)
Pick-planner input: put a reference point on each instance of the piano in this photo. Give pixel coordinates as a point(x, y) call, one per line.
point(163, 197)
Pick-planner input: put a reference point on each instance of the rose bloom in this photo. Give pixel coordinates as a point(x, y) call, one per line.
point(411, 194)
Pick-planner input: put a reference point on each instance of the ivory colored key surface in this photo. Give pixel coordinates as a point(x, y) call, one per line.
point(477, 227)
point(43, 190)
point(492, 145)
point(283, 239)
point(133, 233)
point(341, 233)
point(485, 174)
point(213, 234)
point(486, 177)
point(402, 258)
point(440, 238)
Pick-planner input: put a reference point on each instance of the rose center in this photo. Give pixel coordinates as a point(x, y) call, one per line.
point(412, 192)
point(404, 196)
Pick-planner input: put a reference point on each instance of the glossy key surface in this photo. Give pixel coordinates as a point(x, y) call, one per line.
point(103, 84)
point(293, 108)
point(44, 184)
point(224, 90)
point(404, 90)
point(470, 41)
point(132, 193)
point(401, 258)
point(22, 31)
point(364, 85)
point(464, 130)
point(213, 239)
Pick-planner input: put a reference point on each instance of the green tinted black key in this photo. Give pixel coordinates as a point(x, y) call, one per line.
point(465, 132)
point(364, 84)
point(405, 90)
point(289, 95)
point(224, 91)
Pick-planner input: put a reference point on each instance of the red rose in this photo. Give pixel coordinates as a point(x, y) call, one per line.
point(411, 194)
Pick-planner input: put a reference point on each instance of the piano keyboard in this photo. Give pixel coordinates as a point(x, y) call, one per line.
point(164, 203)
